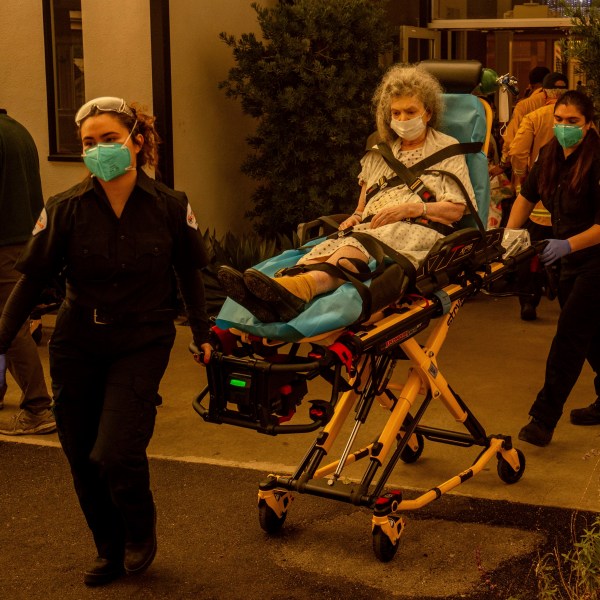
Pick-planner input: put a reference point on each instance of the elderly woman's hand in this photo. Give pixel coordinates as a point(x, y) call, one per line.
point(351, 221)
point(393, 214)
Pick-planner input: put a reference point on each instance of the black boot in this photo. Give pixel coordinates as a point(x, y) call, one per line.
point(536, 433)
point(103, 571)
point(139, 554)
point(590, 415)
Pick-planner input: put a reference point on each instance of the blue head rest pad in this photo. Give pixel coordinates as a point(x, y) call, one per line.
point(464, 119)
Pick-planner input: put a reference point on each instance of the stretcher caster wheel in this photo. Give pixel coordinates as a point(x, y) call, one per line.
point(268, 519)
point(383, 547)
point(507, 473)
point(386, 526)
point(410, 455)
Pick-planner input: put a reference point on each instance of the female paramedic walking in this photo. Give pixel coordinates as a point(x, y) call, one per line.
point(124, 241)
point(566, 177)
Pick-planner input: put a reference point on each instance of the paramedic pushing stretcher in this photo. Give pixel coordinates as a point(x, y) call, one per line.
point(408, 105)
point(125, 242)
point(566, 177)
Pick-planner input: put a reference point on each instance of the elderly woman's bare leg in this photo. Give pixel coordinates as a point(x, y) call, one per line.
point(325, 282)
point(290, 293)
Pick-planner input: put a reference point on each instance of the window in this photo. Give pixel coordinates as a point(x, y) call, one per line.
point(64, 75)
point(498, 9)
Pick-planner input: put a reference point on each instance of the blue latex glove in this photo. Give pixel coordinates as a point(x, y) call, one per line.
point(2, 373)
point(554, 250)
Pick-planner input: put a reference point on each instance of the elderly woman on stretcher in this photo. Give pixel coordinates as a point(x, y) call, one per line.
point(390, 218)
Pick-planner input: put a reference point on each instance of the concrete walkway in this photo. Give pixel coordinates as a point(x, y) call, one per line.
point(494, 361)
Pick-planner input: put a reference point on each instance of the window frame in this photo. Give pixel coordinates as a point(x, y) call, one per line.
point(51, 83)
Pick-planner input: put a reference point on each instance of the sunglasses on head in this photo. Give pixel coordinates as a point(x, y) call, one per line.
point(104, 104)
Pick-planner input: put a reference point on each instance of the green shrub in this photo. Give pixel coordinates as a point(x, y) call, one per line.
point(583, 44)
point(309, 83)
point(574, 575)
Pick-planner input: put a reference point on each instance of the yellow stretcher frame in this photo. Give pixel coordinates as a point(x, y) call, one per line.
point(372, 351)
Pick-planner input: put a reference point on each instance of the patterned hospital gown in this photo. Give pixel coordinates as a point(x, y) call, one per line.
point(411, 239)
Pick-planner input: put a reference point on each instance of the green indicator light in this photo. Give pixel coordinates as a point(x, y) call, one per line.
point(237, 382)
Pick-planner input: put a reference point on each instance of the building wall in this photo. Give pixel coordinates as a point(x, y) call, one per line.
point(209, 130)
point(23, 85)
point(116, 49)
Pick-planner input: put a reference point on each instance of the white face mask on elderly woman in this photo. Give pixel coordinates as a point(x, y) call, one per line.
point(409, 130)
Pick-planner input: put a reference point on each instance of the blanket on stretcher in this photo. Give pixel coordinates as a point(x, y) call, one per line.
point(325, 313)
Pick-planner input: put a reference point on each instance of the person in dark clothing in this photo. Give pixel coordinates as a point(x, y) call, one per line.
point(566, 177)
point(126, 243)
point(21, 201)
point(536, 77)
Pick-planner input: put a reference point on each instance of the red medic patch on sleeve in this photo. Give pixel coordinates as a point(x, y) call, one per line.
point(190, 218)
point(41, 223)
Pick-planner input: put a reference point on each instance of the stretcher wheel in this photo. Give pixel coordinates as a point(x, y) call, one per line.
point(383, 547)
point(506, 472)
point(268, 519)
point(408, 455)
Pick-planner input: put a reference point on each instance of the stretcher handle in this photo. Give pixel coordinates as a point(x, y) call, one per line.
point(293, 367)
point(513, 261)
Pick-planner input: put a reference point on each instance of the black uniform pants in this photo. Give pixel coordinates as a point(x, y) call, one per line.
point(105, 380)
point(577, 339)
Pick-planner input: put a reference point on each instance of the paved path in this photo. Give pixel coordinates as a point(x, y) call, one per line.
point(205, 479)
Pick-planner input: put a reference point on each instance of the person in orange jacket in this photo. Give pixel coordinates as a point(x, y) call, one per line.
point(535, 131)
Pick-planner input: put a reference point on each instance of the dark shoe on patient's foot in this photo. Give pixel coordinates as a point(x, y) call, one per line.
point(232, 282)
point(103, 571)
point(287, 305)
point(590, 415)
point(536, 433)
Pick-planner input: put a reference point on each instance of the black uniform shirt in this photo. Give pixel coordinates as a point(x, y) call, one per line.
point(127, 264)
point(571, 213)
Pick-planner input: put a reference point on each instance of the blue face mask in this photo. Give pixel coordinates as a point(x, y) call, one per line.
point(109, 161)
point(568, 135)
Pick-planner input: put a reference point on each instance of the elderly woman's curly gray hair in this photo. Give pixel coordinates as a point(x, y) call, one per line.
point(406, 80)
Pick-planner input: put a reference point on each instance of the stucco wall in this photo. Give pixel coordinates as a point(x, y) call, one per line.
point(23, 85)
point(116, 49)
point(209, 129)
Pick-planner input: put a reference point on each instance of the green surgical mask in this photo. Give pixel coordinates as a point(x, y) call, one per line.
point(568, 135)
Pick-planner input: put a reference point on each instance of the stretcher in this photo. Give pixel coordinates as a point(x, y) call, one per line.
point(259, 382)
